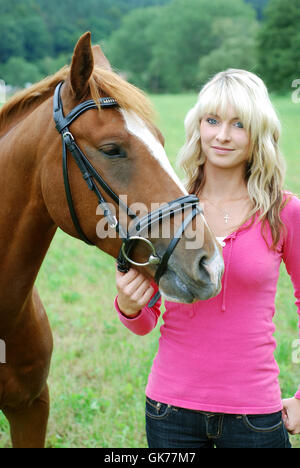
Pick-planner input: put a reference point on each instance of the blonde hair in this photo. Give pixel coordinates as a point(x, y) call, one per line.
point(265, 171)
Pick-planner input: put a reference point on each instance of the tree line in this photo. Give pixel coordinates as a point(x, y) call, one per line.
point(37, 37)
point(161, 45)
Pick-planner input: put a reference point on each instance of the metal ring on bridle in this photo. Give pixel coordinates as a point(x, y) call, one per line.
point(153, 258)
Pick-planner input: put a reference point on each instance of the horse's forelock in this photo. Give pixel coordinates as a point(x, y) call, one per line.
point(129, 97)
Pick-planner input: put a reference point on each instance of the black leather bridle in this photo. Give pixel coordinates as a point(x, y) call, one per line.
point(91, 176)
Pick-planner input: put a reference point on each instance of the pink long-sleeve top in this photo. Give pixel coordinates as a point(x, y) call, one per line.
point(218, 355)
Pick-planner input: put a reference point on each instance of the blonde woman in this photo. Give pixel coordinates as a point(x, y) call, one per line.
point(214, 381)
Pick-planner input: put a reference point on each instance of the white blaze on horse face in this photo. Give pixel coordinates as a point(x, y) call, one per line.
point(137, 127)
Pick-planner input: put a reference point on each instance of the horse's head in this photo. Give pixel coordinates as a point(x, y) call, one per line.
point(125, 149)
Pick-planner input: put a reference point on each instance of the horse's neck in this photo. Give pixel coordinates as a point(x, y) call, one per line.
point(26, 228)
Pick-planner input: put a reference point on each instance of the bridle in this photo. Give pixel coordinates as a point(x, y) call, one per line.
point(91, 176)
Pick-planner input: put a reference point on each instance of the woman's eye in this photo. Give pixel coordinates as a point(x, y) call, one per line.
point(239, 124)
point(112, 151)
point(211, 121)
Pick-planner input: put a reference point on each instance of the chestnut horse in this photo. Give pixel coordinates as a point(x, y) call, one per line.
point(125, 147)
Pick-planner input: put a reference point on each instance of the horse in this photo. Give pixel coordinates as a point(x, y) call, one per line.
point(103, 128)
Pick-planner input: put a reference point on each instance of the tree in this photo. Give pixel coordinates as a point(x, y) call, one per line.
point(36, 38)
point(170, 41)
point(132, 53)
point(39, 31)
point(237, 48)
point(19, 72)
point(279, 44)
point(11, 42)
point(259, 6)
point(101, 17)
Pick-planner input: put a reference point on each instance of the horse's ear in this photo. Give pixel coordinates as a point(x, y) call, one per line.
point(82, 66)
point(99, 58)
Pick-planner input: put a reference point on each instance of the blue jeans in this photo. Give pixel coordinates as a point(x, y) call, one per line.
point(172, 427)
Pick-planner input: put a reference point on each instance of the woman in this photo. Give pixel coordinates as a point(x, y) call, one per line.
point(214, 381)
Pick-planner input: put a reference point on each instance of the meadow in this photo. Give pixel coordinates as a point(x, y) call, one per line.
point(99, 369)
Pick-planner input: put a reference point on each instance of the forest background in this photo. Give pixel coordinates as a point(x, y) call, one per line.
point(163, 46)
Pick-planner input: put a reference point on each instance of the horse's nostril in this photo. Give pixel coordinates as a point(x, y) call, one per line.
point(203, 261)
point(211, 268)
point(202, 271)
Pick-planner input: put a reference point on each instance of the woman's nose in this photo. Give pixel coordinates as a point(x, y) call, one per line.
point(223, 134)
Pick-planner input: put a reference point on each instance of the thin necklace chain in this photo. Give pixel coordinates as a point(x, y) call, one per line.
point(226, 215)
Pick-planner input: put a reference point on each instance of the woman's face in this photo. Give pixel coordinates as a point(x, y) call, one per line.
point(225, 142)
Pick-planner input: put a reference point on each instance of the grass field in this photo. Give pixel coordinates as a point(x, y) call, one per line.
point(99, 369)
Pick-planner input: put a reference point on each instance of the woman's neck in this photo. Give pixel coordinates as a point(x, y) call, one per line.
point(224, 184)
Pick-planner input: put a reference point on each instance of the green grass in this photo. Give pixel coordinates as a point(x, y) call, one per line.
point(99, 369)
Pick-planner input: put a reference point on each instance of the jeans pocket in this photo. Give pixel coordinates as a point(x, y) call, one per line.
point(263, 422)
point(157, 410)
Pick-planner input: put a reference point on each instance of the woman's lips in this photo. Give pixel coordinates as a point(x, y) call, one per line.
point(222, 150)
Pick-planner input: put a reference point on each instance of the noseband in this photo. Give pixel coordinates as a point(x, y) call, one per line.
point(91, 176)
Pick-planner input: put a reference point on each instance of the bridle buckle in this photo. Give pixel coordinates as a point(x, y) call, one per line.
point(68, 134)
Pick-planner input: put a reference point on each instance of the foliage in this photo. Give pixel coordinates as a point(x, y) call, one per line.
point(160, 45)
point(27, 72)
point(176, 37)
point(132, 53)
point(259, 6)
point(279, 44)
point(236, 49)
point(40, 31)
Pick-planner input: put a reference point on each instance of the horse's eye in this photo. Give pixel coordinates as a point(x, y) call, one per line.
point(112, 151)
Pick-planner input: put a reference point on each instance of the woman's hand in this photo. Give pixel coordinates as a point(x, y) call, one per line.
point(134, 292)
point(291, 415)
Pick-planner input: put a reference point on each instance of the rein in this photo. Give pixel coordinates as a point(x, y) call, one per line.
point(91, 176)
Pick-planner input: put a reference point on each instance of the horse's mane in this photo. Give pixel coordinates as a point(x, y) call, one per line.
point(28, 99)
point(102, 82)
